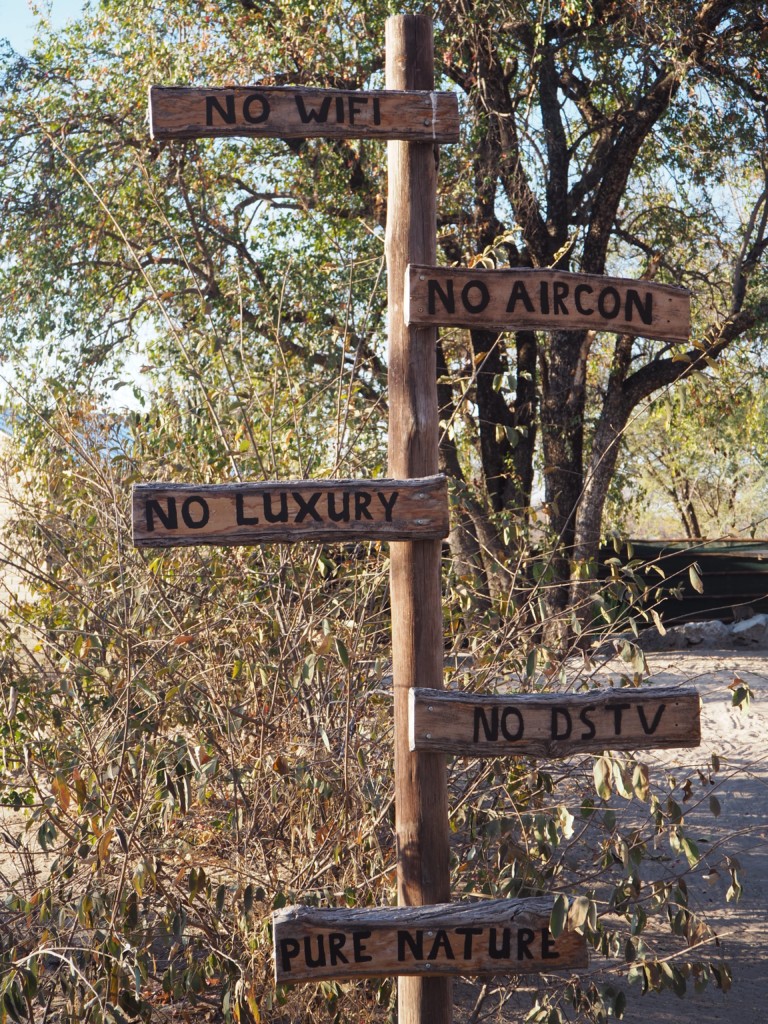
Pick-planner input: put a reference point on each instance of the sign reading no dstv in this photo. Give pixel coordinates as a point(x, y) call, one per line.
point(514, 300)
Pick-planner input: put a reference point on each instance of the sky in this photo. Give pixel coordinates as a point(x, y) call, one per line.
point(17, 21)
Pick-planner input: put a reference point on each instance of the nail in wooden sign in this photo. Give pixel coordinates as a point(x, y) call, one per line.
point(290, 113)
point(486, 937)
point(170, 515)
point(515, 300)
point(554, 724)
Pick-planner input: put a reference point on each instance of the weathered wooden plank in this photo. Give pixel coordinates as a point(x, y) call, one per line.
point(554, 724)
point(177, 112)
point(511, 300)
point(486, 937)
point(171, 515)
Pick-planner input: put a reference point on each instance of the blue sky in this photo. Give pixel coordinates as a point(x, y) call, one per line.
point(17, 21)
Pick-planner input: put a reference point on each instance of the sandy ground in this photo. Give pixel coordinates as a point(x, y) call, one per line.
point(740, 740)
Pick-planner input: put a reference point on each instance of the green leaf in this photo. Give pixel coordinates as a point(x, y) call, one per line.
point(695, 578)
point(559, 915)
point(603, 773)
point(342, 652)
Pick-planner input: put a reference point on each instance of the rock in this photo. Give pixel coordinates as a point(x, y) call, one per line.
point(707, 634)
point(752, 631)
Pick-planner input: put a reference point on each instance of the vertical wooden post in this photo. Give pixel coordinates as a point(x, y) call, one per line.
point(421, 799)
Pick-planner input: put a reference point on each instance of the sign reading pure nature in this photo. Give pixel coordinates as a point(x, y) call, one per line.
point(289, 113)
point(487, 937)
point(168, 515)
point(513, 300)
point(554, 724)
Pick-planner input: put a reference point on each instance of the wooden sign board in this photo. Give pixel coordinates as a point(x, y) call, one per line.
point(487, 937)
point(288, 113)
point(516, 300)
point(171, 515)
point(554, 724)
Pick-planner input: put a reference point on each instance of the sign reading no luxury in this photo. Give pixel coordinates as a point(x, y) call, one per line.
point(486, 937)
point(514, 300)
point(289, 113)
point(168, 515)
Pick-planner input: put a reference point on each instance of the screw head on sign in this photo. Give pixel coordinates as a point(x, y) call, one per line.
point(428, 735)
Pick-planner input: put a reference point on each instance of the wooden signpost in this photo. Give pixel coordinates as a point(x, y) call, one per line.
point(554, 724)
point(553, 300)
point(172, 515)
point(288, 113)
point(426, 940)
point(486, 937)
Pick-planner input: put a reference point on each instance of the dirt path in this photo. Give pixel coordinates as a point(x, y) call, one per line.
point(740, 740)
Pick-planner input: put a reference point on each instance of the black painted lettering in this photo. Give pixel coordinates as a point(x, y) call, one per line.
point(307, 115)
point(519, 293)
point(544, 296)
point(255, 108)
point(358, 949)
point(644, 308)
point(416, 945)
point(469, 304)
point(559, 293)
point(491, 729)
point(441, 942)
point(376, 110)
point(307, 508)
point(167, 517)
point(289, 950)
point(388, 505)
point(555, 732)
point(618, 710)
point(336, 941)
point(362, 501)
point(649, 730)
point(586, 720)
point(447, 298)
point(547, 946)
point(356, 104)
point(525, 937)
point(227, 114)
point(468, 933)
point(579, 290)
point(609, 303)
point(340, 110)
point(309, 959)
point(276, 517)
point(338, 517)
point(506, 731)
point(186, 513)
point(241, 517)
point(494, 951)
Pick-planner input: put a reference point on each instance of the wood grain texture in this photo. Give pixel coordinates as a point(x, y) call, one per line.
point(514, 300)
point(554, 724)
point(178, 515)
point(486, 937)
point(421, 791)
point(178, 112)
